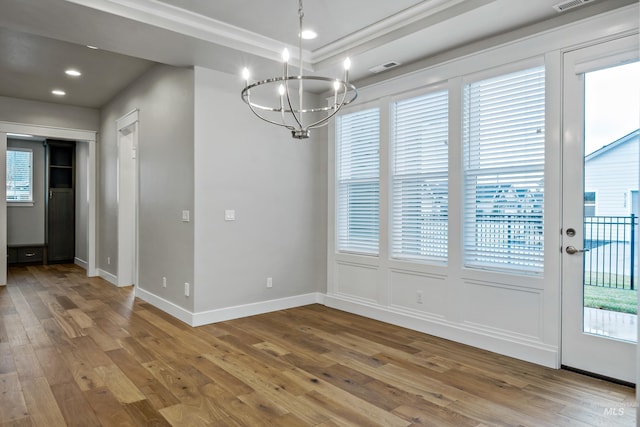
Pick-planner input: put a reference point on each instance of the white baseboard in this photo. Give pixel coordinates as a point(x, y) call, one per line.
point(238, 311)
point(227, 313)
point(108, 277)
point(512, 346)
point(80, 262)
point(167, 306)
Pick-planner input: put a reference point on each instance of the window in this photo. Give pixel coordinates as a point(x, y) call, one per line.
point(503, 146)
point(420, 178)
point(19, 175)
point(358, 181)
point(589, 203)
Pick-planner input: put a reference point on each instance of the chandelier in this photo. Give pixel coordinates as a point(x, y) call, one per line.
point(281, 100)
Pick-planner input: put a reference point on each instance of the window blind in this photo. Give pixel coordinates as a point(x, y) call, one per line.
point(503, 148)
point(420, 178)
point(358, 181)
point(19, 176)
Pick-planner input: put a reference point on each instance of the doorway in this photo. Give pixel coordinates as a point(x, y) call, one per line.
point(599, 166)
point(82, 136)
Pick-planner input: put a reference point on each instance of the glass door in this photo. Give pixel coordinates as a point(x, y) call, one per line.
point(600, 225)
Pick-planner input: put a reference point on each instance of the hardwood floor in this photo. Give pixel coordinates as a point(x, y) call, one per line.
point(80, 352)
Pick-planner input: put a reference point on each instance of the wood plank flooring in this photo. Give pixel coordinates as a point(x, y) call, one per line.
point(78, 351)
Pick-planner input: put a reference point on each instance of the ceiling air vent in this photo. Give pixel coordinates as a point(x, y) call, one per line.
point(570, 4)
point(384, 67)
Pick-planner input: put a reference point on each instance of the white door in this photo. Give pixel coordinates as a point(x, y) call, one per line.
point(599, 332)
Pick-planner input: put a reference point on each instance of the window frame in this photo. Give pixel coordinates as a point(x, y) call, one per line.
point(12, 202)
point(591, 204)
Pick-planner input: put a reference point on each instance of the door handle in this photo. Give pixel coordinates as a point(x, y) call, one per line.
point(572, 250)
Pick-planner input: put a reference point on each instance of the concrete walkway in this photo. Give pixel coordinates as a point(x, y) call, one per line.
point(612, 324)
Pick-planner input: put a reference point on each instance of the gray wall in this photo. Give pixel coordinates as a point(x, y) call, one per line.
point(276, 184)
point(48, 114)
point(25, 223)
point(164, 97)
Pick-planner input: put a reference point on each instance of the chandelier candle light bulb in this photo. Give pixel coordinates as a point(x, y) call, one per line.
point(297, 115)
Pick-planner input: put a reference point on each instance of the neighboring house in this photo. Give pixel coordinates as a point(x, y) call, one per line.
point(611, 178)
point(610, 197)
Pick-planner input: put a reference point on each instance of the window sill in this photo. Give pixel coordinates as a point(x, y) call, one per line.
point(20, 204)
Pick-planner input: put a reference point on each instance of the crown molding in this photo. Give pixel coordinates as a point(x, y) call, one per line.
point(185, 22)
point(410, 20)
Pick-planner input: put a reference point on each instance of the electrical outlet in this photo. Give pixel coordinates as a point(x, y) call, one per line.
point(419, 297)
point(108, 260)
point(269, 282)
point(186, 289)
point(164, 282)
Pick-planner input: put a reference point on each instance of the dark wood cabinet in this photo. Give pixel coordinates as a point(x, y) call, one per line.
point(60, 210)
point(26, 254)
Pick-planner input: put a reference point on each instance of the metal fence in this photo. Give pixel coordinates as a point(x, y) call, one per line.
point(611, 260)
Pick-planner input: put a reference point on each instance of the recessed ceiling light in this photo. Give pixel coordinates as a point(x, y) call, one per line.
point(92, 47)
point(309, 34)
point(58, 92)
point(73, 73)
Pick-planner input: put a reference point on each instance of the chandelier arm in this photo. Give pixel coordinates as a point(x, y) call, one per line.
point(284, 125)
point(342, 103)
point(291, 110)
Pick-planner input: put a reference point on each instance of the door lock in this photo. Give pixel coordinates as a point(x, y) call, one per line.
point(571, 232)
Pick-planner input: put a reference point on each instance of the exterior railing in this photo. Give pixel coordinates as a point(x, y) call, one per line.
point(611, 257)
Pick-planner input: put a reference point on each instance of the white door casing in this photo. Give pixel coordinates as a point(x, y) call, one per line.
point(127, 196)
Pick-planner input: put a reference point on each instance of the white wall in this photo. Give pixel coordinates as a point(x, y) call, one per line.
point(164, 97)
point(25, 222)
point(509, 314)
point(48, 114)
point(277, 187)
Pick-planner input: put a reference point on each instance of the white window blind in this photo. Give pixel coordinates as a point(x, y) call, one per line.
point(420, 178)
point(358, 181)
point(19, 175)
point(503, 136)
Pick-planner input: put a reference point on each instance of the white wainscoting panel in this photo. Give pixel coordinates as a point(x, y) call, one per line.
point(406, 286)
point(498, 306)
point(357, 280)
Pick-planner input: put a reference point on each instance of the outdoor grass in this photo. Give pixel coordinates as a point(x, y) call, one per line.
point(620, 300)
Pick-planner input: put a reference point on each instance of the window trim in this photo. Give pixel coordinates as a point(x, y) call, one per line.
point(31, 201)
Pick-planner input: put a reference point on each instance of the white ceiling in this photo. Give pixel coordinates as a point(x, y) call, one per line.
point(39, 39)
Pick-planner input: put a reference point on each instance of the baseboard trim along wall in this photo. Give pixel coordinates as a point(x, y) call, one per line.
point(504, 344)
point(111, 278)
point(228, 313)
point(80, 262)
point(167, 306)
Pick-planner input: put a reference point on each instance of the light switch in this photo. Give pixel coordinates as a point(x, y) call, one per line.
point(185, 216)
point(230, 215)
